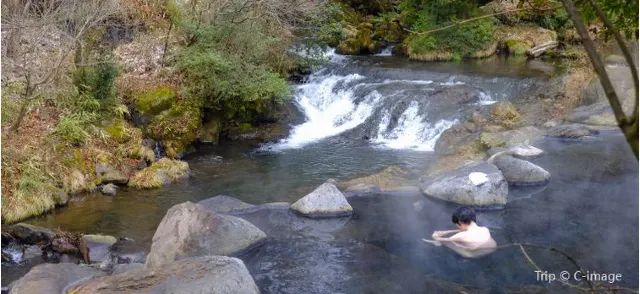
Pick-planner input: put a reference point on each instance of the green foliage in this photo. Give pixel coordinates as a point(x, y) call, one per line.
point(177, 124)
point(463, 39)
point(96, 81)
point(552, 21)
point(73, 127)
point(622, 13)
point(517, 47)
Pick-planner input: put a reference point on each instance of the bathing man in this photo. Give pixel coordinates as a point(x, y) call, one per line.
point(470, 240)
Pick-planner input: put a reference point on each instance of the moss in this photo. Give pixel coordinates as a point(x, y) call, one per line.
point(141, 152)
point(349, 46)
point(517, 47)
point(159, 173)
point(176, 127)
point(490, 140)
point(156, 101)
point(117, 130)
point(506, 114)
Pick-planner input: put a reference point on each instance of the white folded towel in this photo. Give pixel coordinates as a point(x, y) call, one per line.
point(478, 178)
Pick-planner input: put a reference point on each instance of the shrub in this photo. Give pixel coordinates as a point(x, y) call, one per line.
point(72, 128)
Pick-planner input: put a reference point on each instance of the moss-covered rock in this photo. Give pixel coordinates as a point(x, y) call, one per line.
point(359, 43)
point(161, 172)
point(176, 127)
point(506, 114)
point(156, 101)
point(517, 47)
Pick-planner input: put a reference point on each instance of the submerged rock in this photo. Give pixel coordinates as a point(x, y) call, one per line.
point(362, 189)
point(456, 186)
point(571, 131)
point(54, 278)
point(224, 204)
point(324, 201)
point(229, 205)
point(161, 172)
point(521, 172)
point(189, 230)
point(206, 274)
point(121, 268)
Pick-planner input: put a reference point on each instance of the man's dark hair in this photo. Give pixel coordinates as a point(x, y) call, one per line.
point(463, 215)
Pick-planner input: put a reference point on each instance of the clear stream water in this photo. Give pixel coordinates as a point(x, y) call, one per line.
point(367, 113)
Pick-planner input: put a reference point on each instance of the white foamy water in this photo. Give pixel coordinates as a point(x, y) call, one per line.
point(412, 131)
point(329, 111)
point(486, 99)
point(386, 51)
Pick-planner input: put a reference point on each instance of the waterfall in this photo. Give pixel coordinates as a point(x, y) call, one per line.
point(390, 107)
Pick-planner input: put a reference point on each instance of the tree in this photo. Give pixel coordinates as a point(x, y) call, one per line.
point(36, 65)
point(628, 124)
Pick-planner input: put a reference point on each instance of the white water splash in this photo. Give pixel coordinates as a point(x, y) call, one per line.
point(485, 99)
point(329, 112)
point(386, 52)
point(412, 131)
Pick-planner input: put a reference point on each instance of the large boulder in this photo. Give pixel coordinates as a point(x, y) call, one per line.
point(189, 230)
point(622, 82)
point(108, 174)
point(54, 278)
point(324, 201)
point(520, 172)
point(206, 274)
point(526, 135)
point(597, 114)
point(455, 186)
point(571, 131)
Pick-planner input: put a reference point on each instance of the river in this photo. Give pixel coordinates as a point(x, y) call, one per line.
point(363, 114)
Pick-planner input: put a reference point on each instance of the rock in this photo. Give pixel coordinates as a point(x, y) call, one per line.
point(599, 114)
point(54, 278)
point(108, 174)
point(452, 139)
point(615, 59)
point(29, 234)
point(362, 189)
point(229, 205)
point(538, 50)
point(505, 113)
point(456, 187)
point(478, 119)
point(511, 138)
point(64, 245)
point(109, 189)
point(418, 205)
point(99, 246)
point(224, 204)
point(495, 150)
point(161, 172)
point(522, 151)
point(324, 201)
point(622, 82)
point(520, 172)
point(32, 251)
point(210, 132)
point(550, 124)
point(121, 268)
point(126, 251)
point(189, 230)
point(387, 179)
point(571, 131)
point(206, 274)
